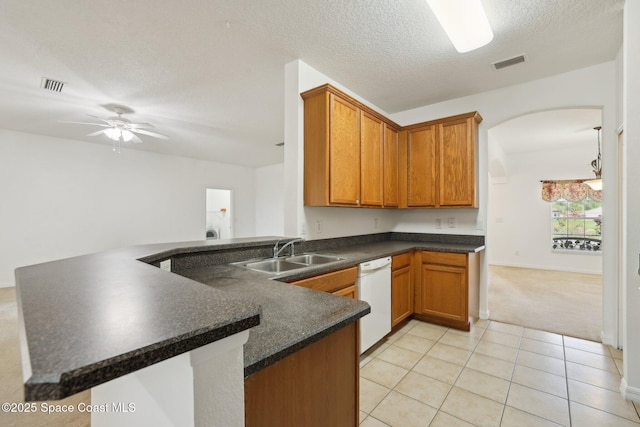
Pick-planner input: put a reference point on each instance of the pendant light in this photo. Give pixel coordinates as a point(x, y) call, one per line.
point(596, 184)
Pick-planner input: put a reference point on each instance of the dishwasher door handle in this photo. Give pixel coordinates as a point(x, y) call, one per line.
point(376, 264)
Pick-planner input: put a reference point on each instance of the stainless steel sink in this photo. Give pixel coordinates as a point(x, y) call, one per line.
point(274, 265)
point(280, 265)
point(313, 259)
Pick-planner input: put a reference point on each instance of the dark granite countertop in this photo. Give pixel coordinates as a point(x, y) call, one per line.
point(294, 317)
point(89, 319)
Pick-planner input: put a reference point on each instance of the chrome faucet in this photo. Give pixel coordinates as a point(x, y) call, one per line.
point(292, 251)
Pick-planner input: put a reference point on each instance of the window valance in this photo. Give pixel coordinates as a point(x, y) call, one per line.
point(572, 190)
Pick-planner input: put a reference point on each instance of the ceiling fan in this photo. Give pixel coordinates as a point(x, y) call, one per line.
point(120, 129)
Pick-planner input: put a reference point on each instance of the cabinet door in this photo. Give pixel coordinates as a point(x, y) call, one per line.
point(456, 144)
point(443, 292)
point(390, 170)
point(349, 292)
point(344, 153)
point(371, 139)
point(401, 295)
point(421, 169)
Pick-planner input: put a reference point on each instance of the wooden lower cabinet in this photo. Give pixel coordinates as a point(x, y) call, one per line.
point(401, 288)
point(333, 282)
point(447, 288)
point(316, 386)
point(349, 292)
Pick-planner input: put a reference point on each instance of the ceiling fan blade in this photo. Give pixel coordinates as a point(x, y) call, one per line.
point(99, 118)
point(83, 123)
point(153, 134)
point(135, 138)
point(141, 125)
point(96, 133)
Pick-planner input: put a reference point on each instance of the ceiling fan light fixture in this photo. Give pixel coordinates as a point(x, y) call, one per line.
point(464, 21)
point(126, 135)
point(113, 133)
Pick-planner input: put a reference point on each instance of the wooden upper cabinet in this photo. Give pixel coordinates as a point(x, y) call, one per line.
point(371, 152)
point(441, 162)
point(344, 152)
point(331, 150)
point(354, 156)
point(456, 144)
point(421, 167)
point(390, 169)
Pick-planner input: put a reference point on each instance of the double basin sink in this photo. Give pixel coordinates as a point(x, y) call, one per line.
point(282, 264)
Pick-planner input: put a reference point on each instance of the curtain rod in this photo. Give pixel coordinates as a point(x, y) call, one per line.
point(545, 181)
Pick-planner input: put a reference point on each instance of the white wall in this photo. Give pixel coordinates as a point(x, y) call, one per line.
point(270, 200)
point(63, 198)
point(631, 226)
point(520, 221)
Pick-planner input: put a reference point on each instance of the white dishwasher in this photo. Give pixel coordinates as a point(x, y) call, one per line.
point(374, 287)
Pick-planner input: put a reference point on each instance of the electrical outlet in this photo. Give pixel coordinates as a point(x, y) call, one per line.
point(303, 228)
point(375, 223)
point(438, 223)
point(517, 253)
point(318, 227)
point(165, 265)
point(452, 222)
point(479, 224)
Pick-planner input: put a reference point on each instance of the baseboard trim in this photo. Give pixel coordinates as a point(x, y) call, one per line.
point(547, 268)
point(629, 393)
point(484, 315)
point(608, 340)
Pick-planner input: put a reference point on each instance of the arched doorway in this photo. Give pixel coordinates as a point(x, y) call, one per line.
point(530, 282)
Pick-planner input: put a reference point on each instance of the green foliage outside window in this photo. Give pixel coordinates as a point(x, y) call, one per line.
point(577, 225)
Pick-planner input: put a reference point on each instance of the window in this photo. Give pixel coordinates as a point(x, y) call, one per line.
point(576, 225)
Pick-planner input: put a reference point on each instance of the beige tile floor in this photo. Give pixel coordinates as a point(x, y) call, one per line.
point(495, 375)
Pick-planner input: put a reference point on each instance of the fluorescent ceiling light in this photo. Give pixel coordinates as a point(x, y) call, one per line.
point(464, 21)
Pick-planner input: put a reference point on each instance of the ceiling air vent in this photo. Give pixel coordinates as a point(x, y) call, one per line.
point(508, 62)
point(51, 85)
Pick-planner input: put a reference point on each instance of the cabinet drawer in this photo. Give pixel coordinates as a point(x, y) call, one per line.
point(444, 258)
point(402, 260)
point(330, 282)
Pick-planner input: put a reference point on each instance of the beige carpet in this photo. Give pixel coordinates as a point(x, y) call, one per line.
point(11, 386)
point(553, 301)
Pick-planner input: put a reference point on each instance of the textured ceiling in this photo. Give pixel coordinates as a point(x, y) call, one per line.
point(210, 73)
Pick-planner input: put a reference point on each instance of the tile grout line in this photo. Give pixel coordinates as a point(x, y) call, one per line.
point(455, 380)
point(513, 371)
point(566, 380)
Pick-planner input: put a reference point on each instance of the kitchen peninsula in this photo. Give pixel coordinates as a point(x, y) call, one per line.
point(91, 319)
